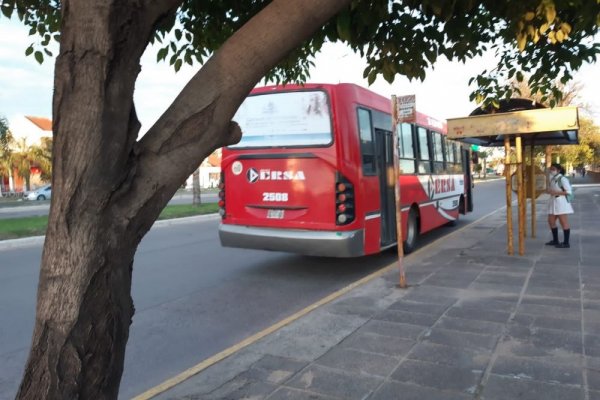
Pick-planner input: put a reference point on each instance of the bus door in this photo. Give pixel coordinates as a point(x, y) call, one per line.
point(466, 159)
point(384, 154)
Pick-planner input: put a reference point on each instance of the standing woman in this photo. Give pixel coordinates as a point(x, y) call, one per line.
point(558, 206)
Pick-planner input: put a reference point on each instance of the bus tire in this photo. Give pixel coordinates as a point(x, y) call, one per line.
point(412, 232)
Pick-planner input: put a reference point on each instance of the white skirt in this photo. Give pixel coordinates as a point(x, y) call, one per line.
point(559, 206)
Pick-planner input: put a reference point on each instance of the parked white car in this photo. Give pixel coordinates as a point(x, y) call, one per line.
point(43, 193)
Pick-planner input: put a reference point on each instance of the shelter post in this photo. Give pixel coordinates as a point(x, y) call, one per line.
point(532, 187)
point(509, 224)
point(521, 205)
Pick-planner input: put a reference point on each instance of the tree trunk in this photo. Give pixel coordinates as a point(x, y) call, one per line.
point(108, 189)
point(196, 199)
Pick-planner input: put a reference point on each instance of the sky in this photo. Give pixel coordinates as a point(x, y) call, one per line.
point(26, 86)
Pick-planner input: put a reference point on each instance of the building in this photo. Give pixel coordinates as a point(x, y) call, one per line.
point(26, 131)
point(210, 172)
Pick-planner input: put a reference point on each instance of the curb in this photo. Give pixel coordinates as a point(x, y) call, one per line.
point(36, 240)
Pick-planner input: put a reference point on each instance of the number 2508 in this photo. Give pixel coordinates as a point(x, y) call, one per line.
point(273, 196)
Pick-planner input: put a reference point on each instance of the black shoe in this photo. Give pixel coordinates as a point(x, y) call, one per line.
point(552, 243)
point(563, 246)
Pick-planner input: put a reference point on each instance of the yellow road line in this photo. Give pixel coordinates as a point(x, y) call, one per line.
point(188, 373)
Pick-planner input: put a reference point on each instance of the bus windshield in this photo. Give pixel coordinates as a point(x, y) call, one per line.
point(285, 119)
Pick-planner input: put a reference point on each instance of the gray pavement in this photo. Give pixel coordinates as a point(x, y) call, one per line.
point(475, 324)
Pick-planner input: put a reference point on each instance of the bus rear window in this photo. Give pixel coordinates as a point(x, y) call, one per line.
point(285, 119)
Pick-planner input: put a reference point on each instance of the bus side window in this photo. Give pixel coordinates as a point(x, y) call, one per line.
point(449, 155)
point(438, 153)
point(424, 155)
point(406, 149)
point(367, 147)
point(458, 159)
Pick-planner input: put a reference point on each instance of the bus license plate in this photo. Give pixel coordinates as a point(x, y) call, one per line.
point(275, 214)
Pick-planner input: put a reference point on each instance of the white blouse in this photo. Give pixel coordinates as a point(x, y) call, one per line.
point(558, 204)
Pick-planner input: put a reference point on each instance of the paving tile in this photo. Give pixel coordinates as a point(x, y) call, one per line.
point(351, 360)
point(240, 388)
point(438, 376)
point(393, 329)
point(418, 307)
point(549, 311)
point(593, 379)
point(424, 296)
point(440, 354)
point(524, 368)
point(330, 382)
point(406, 391)
point(296, 394)
point(469, 325)
point(548, 338)
point(373, 343)
point(552, 301)
point(495, 304)
point(594, 395)
point(553, 292)
point(274, 369)
point(501, 279)
point(557, 323)
point(504, 388)
point(592, 340)
point(480, 314)
point(457, 283)
point(407, 318)
point(494, 288)
point(525, 349)
point(461, 339)
point(512, 261)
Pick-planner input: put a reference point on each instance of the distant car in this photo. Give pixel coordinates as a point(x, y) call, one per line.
point(43, 193)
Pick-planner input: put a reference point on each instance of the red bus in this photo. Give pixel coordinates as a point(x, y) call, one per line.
point(313, 173)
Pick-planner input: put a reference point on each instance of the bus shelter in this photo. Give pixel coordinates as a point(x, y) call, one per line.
point(517, 125)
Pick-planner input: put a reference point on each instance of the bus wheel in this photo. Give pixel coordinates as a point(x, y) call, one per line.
point(412, 232)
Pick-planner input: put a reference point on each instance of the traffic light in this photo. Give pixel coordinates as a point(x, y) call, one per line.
point(475, 157)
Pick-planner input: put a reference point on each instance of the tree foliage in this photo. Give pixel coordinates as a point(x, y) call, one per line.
point(587, 152)
point(543, 40)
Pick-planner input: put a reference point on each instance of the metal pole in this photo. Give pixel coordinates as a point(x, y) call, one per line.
point(520, 187)
point(399, 240)
point(532, 187)
point(509, 224)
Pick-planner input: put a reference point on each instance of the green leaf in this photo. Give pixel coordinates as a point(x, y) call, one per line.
point(162, 54)
point(7, 10)
point(39, 57)
point(343, 26)
point(519, 76)
point(178, 34)
point(48, 52)
point(178, 64)
point(29, 50)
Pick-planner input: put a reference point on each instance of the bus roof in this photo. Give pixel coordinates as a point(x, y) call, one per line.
point(360, 95)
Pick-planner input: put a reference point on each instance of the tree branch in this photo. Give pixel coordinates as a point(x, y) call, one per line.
point(198, 121)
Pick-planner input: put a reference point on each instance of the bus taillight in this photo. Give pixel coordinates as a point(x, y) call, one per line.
point(222, 196)
point(344, 201)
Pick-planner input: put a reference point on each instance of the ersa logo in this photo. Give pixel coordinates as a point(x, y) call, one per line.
point(271, 175)
point(439, 186)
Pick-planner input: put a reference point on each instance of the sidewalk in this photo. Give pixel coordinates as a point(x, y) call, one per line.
point(476, 324)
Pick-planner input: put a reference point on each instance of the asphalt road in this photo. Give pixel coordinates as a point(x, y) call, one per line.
point(193, 299)
point(37, 208)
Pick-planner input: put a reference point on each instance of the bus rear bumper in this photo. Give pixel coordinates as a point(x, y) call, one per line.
point(310, 243)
